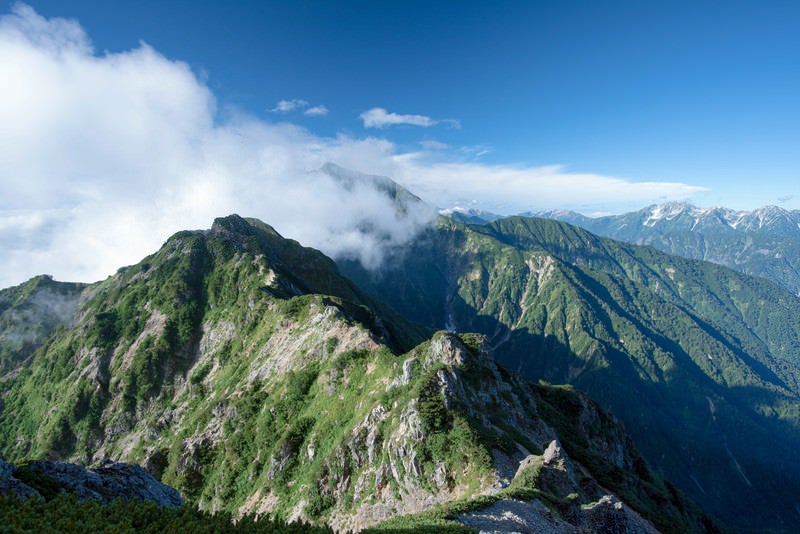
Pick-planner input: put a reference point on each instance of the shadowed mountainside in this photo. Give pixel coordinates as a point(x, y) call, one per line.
point(698, 361)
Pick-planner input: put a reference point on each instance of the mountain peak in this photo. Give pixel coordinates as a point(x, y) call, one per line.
point(469, 215)
point(231, 223)
point(668, 211)
point(235, 225)
point(403, 199)
point(349, 179)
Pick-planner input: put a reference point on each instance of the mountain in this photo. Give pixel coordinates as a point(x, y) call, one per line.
point(404, 200)
point(247, 372)
point(699, 362)
point(764, 242)
point(470, 216)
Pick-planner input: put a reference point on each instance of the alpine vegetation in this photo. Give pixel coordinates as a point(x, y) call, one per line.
point(248, 373)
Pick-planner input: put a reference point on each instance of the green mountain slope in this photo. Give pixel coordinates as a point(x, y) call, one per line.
point(699, 362)
point(245, 371)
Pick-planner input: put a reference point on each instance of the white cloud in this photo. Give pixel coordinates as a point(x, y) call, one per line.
point(316, 111)
point(285, 106)
point(476, 151)
point(432, 144)
point(103, 156)
point(380, 118)
point(296, 104)
point(514, 189)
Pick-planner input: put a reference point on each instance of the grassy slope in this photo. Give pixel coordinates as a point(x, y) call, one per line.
point(246, 372)
point(700, 362)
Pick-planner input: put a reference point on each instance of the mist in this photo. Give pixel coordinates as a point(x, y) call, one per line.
point(43, 310)
point(104, 155)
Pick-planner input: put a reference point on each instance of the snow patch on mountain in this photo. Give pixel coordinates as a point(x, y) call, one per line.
point(694, 218)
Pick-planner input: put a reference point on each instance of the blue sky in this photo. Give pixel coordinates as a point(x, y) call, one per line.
point(594, 106)
point(697, 92)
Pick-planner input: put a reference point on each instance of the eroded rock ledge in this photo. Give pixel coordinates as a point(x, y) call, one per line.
point(105, 483)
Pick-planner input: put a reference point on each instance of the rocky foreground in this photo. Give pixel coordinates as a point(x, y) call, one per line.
point(111, 481)
point(105, 483)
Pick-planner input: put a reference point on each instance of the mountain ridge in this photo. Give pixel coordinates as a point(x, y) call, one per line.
point(246, 371)
point(768, 216)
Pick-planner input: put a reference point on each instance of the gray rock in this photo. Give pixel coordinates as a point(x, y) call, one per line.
point(558, 472)
point(105, 483)
point(511, 515)
point(446, 349)
point(131, 481)
point(608, 516)
point(9, 485)
point(611, 516)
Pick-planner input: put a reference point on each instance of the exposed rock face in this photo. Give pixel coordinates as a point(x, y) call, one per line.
point(557, 473)
point(585, 507)
point(611, 516)
point(495, 402)
point(9, 485)
point(608, 516)
point(511, 515)
point(106, 483)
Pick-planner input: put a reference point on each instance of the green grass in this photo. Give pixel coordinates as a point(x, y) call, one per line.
point(65, 513)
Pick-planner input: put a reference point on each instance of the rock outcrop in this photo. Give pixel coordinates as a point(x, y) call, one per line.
point(10, 485)
point(582, 508)
point(512, 515)
point(608, 516)
point(105, 483)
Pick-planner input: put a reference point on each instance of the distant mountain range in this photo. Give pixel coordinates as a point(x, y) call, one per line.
point(764, 242)
point(470, 215)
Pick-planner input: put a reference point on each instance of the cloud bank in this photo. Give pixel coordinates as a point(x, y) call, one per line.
point(508, 189)
point(104, 155)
